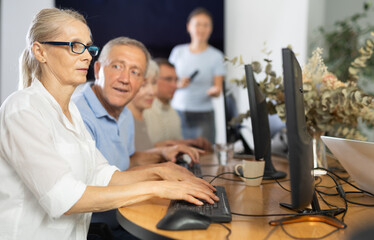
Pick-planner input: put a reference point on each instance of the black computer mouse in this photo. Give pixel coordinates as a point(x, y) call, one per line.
point(183, 158)
point(183, 219)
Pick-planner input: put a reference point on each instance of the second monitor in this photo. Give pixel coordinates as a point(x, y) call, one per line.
point(260, 126)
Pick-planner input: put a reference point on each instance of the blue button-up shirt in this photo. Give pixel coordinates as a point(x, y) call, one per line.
point(114, 139)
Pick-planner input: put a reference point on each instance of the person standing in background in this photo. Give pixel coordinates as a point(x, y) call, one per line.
point(192, 100)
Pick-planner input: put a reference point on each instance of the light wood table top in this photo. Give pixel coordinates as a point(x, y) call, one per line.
point(141, 219)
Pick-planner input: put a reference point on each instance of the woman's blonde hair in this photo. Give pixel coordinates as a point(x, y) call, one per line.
point(44, 27)
point(153, 70)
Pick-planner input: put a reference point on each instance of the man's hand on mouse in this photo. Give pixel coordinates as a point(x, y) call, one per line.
point(170, 153)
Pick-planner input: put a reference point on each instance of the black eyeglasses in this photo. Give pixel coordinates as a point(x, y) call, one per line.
point(76, 47)
point(170, 79)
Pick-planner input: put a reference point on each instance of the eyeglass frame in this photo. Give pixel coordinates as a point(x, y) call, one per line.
point(71, 44)
point(169, 79)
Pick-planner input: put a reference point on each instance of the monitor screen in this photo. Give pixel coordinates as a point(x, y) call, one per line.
point(232, 132)
point(260, 125)
point(300, 155)
point(259, 117)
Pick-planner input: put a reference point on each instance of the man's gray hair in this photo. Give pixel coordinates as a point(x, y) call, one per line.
point(127, 42)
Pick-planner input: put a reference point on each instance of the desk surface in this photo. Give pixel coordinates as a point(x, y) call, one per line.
point(141, 219)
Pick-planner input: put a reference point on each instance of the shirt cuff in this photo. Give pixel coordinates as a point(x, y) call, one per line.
point(65, 193)
point(104, 175)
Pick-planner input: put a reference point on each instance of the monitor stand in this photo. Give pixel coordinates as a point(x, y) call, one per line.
point(270, 173)
point(247, 152)
point(316, 214)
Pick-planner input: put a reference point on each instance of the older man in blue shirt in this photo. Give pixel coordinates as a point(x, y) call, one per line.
point(114, 138)
point(119, 73)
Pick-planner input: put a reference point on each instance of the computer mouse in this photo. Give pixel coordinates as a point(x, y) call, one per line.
point(183, 219)
point(184, 158)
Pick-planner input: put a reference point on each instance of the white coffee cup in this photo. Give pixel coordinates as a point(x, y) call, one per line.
point(252, 170)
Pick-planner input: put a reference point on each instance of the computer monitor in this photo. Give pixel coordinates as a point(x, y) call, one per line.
point(300, 154)
point(233, 132)
point(260, 125)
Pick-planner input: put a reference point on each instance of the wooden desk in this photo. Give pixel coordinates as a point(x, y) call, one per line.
point(141, 219)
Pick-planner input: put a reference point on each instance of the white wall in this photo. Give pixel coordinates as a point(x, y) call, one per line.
point(16, 16)
point(316, 18)
point(250, 23)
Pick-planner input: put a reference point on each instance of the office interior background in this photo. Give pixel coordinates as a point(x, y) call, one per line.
point(247, 25)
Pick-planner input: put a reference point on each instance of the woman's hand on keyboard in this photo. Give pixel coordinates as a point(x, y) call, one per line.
point(172, 172)
point(192, 192)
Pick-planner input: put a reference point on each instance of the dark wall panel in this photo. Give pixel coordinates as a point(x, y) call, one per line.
point(159, 24)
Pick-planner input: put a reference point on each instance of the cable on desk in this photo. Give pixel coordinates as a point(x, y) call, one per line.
point(276, 180)
point(337, 176)
point(228, 179)
point(341, 191)
point(267, 215)
point(324, 200)
point(329, 187)
point(337, 194)
point(360, 204)
point(239, 180)
point(227, 228)
point(224, 173)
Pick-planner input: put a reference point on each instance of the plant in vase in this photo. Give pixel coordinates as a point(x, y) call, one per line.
point(340, 41)
point(331, 106)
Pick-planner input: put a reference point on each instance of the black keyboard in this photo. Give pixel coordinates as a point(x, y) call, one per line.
point(218, 212)
point(194, 168)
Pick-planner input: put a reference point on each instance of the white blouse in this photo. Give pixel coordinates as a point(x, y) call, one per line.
point(45, 165)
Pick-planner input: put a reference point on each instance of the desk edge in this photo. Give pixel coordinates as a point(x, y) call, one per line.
point(137, 230)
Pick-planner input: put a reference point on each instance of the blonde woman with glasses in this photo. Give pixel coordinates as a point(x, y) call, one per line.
point(53, 177)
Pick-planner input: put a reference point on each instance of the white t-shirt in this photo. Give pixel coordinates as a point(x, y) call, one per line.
point(45, 165)
point(209, 63)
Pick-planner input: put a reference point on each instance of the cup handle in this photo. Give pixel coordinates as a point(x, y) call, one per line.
point(237, 166)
